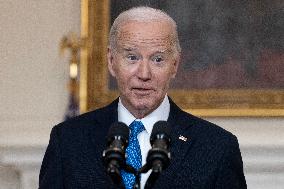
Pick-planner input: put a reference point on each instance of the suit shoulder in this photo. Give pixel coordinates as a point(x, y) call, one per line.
point(198, 128)
point(95, 118)
point(208, 131)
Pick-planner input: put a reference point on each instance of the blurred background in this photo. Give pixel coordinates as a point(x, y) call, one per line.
point(34, 96)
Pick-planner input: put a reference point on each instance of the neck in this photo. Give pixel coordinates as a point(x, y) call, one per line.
point(142, 112)
point(139, 114)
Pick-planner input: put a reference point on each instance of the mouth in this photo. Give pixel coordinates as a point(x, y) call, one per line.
point(142, 91)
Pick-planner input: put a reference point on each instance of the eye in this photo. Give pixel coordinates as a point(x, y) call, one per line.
point(158, 59)
point(132, 57)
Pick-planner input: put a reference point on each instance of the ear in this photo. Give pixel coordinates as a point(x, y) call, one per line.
point(175, 66)
point(110, 62)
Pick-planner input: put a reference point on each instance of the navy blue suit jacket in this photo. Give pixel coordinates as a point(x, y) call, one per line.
point(209, 159)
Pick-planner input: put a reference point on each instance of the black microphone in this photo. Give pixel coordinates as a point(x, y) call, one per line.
point(159, 156)
point(114, 156)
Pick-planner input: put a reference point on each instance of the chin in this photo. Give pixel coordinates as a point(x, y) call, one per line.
point(145, 105)
point(140, 105)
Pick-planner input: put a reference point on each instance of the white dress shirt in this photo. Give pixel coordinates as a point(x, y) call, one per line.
point(161, 113)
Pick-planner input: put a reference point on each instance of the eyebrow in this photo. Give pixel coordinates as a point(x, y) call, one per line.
point(163, 51)
point(129, 48)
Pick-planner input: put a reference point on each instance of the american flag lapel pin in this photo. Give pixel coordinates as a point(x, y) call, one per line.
point(182, 138)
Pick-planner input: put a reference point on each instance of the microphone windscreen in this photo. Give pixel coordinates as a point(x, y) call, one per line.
point(118, 129)
point(161, 127)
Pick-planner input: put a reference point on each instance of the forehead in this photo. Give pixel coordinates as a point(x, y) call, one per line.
point(138, 34)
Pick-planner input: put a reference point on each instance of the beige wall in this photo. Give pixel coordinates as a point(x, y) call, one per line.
point(33, 96)
point(33, 78)
point(33, 82)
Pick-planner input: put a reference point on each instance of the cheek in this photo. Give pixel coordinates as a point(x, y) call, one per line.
point(123, 79)
point(163, 80)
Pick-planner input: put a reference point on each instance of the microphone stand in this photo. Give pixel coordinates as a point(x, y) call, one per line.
point(137, 174)
point(114, 172)
point(131, 169)
point(137, 181)
point(153, 176)
point(116, 177)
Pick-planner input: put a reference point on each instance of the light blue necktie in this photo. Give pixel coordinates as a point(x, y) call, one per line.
point(134, 157)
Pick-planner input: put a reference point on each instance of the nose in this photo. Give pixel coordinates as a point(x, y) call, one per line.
point(144, 71)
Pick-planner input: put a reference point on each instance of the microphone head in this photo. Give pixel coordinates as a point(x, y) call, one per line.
point(118, 129)
point(114, 156)
point(161, 129)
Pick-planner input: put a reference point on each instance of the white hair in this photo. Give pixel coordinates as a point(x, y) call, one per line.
point(143, 14)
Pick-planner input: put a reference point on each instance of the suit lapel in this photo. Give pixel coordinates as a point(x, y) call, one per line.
point(181, 141)
point(180, 130)
point(102, 120)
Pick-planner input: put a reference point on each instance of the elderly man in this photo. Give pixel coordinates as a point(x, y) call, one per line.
point(143, 56)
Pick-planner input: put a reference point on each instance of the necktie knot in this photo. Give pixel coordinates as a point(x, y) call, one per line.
point(136, 127)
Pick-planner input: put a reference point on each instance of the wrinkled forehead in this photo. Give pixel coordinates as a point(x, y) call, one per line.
point(154, 34)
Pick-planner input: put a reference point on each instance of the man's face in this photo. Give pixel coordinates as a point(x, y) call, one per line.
point(144, 62)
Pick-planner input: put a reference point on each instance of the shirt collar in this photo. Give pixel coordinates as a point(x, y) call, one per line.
point(161, 113)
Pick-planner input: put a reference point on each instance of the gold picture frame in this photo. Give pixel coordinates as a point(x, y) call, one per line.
point(94, 90)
